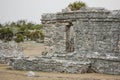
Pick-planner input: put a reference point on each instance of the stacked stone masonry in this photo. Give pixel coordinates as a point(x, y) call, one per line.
point(87, 40)
point(9, 50)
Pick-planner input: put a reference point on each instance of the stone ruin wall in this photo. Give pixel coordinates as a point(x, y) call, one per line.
point(83, 41)
point(9, 51)
point(93, 29)
point(98, 36)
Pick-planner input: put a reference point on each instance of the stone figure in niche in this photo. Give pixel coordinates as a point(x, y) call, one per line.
point(69, 38)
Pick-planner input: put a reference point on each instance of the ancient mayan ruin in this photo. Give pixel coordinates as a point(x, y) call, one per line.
point(9, 50)
point(87, 40)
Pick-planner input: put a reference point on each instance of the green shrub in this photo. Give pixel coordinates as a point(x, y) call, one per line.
point(38, 34)
point(21, 30)
point(41, 35)
point(27, 34)
point(19, 38)
point(6, 34)
point(36, 27)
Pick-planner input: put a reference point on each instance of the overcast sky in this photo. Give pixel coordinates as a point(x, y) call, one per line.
point(31, 10)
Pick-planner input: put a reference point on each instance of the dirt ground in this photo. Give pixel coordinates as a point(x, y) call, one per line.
point(36, 49)
point(7, 74)
point(32, 49)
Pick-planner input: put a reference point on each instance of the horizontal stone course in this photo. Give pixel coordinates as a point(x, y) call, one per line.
point(50, 65)
point(106, 66)
point(99, 65)
point(82, 13)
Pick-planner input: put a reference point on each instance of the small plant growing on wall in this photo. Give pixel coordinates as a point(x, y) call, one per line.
point(76, 5)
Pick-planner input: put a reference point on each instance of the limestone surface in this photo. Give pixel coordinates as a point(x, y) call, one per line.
point(87, 40)
point(9, 50)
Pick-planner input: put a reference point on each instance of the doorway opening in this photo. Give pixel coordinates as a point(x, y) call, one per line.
point(69, 38)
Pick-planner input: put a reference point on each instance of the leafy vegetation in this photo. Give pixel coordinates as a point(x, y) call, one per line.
point(6, 34)
point(36, 35)
point(76, 5)
point(19, 38)
point(21, 31)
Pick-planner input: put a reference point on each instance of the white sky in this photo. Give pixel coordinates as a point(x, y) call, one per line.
point(31, 10)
